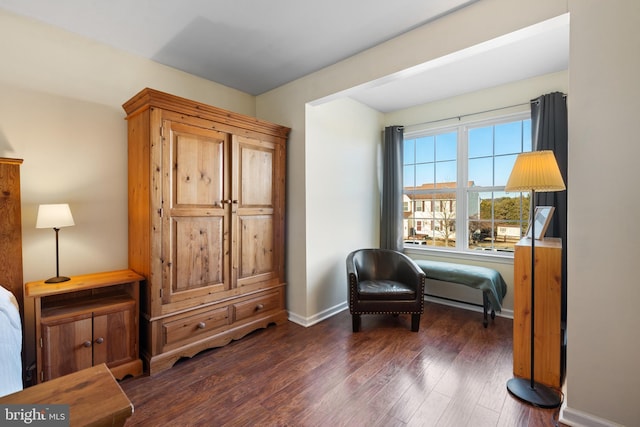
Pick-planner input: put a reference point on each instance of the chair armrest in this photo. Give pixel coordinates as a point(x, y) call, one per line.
point(351, 267)
point(409, 273)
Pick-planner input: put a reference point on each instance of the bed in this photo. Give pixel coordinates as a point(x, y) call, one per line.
point(10, 344)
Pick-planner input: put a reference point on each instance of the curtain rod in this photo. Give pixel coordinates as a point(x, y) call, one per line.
point(459, 117)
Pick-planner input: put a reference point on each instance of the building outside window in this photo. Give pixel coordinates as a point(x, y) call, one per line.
point(456, 175)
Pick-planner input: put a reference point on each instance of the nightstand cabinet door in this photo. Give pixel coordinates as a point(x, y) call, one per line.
point(66, 345)
point(113, 337)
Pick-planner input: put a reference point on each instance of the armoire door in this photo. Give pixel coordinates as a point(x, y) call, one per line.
point(255, 202)
point(195, 212)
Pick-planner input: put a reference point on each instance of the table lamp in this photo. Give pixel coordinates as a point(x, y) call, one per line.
point(56, 217)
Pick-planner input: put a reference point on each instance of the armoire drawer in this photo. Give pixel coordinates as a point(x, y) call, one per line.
point(259, 304)
point(188, 327)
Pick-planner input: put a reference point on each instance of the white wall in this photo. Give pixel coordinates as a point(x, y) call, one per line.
point(343, 207)
point(74, 152)
point(467, 27)
point(60, 111)
point(603, 373)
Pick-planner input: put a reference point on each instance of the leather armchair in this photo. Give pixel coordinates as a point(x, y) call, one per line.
point(383, 281)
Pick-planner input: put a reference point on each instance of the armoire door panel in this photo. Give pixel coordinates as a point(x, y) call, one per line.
point(197, 255)
point(256, 169)
point(256, 246)
point(253, 165)
point(199, 169)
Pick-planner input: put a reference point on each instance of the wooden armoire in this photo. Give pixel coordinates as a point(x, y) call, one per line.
point(11, 229)
point(206, 224)
point(11, 238)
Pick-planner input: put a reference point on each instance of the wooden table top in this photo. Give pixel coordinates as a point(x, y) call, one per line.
point(93, 395)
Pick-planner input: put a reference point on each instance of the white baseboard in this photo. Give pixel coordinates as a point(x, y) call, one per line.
point(332, 311)
point(576, 418)
point(318, 317)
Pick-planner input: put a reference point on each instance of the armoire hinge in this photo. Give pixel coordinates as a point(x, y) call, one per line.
point(41, 344)
point(162, 131)
point(160, 292)
point(41, 376)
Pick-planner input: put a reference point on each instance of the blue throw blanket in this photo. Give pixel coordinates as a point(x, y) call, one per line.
point(486, 279)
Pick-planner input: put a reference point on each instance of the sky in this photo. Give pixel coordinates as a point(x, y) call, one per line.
point(492, 151)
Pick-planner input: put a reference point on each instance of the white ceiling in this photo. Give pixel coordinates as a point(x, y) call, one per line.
point(257, 45)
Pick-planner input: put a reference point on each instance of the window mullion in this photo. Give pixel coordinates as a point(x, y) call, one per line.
point(461, 190)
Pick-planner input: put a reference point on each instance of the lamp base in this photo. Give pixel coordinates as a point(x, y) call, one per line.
point(540, 395)
point(57, 279)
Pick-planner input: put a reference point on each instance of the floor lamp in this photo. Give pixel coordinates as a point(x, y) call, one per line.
point(56, 217)
point(534, 171)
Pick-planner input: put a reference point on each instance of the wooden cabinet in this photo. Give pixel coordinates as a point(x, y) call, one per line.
point(206, 224)
point(11, 236)
point(548, 334)
point(11, 229)
point(86, 321)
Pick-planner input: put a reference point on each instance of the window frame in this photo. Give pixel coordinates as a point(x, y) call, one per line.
point(462, 127)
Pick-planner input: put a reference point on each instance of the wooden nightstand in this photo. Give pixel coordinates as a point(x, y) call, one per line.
point(88, 320)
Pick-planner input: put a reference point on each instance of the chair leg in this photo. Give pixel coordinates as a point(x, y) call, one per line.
point(355, 319)
point(415, 322)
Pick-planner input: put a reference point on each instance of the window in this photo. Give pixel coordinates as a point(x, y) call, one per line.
point(457, 176)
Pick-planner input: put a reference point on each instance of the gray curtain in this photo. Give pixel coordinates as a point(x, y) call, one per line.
point(391, 220)
point(549, 132)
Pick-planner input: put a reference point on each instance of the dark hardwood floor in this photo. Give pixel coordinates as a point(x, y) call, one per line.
point(451, 373)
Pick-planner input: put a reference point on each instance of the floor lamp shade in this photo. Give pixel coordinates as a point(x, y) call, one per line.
point(534, 171)
point(56, 217)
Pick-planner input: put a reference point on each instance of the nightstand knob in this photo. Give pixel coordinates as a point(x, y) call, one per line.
point(259, 307)
point(201, 325)
point(87, 343)
point(100, 340)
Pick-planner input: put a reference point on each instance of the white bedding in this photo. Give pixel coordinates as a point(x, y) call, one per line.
point(10, 344)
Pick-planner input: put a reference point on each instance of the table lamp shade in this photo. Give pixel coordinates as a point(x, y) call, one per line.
point(535, 170)
point(54, 216)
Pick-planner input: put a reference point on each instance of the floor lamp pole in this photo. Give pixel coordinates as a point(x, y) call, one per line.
point(530, 391)
point(533, 285)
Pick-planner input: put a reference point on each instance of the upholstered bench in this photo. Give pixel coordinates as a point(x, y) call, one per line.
point(488, 280)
